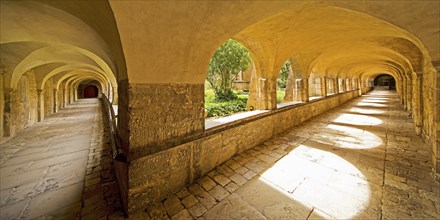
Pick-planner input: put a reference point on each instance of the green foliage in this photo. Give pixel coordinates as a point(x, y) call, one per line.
point(226, 108)
point(284, 73)
point(227, 62)
point(280, 95)
point(217, 108)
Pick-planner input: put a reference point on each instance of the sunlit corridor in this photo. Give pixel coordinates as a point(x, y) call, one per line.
point(50, 170)
point(359, 161)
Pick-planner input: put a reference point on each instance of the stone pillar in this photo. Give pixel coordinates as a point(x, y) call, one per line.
point(417, 101)
point(153, 120)
point(409, 92)
point(262, 94)
point(55, 100)
point(115, 96)
point(336, 85)
point(436, 142)
point(65, 98)
point(40, 104)
point(305, 90)
point(343, 85)
point(8, 117)
point(323, 86)
point(75, 95)
point(402, 86)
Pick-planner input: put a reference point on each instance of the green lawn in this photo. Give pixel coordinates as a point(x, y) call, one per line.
point(280, 95)
point(218, 109)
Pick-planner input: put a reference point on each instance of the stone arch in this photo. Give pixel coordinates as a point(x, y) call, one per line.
point(386, 81)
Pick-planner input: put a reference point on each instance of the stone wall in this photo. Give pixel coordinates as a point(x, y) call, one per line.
point(25, 104)
point(315, 86)
point(152, 177)
point(431, 112)
point(162, 116)
point(48, 97)
point(2, 103)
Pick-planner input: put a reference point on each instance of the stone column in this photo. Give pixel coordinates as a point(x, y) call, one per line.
point(336, 85)
point(40, 104)
point(404, 91)
point(305, 89)
point(71, 95)
point(154, 121)
point(75, 94)
point(115, 96)
point(65, 98)
point(344, 89)
point(409, 92)
point(436, 142)
point(400, 87)
point(8, 117)
point(323, 86)
point(417, 101)
point(262, 94)
point(55, 100)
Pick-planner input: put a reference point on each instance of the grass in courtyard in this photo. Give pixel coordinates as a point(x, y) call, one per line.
point(281, 92)
point(218, 109)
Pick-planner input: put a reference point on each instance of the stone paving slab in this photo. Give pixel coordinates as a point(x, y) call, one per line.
point(361, 160)
point(44, 168)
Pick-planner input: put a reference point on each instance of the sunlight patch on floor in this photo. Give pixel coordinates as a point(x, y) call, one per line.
point(322, 180)
point(353, 138)
point(355, 119)
point(367, 111)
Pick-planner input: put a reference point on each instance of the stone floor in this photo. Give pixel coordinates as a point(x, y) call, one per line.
point(46, 168)
point(359, 161)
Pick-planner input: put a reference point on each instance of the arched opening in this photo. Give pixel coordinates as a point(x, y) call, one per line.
point(284, 80)
point(90, 91)
point(384, 82)
point(228, 80)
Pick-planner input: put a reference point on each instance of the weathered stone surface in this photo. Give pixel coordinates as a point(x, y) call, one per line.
point(182, 215)
point(219, 193)
point(207, 183)
point(162, 116)
point(189, 201)
point(197, 210)
point(233, 208)
point(51, 160)
point(172, 205)
point(271, 203)
point(322, 169)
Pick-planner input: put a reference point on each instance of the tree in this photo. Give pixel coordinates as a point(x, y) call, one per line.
point(284, 73)
point(227, 62)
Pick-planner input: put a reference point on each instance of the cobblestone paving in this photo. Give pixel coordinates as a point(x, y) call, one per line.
point(359, 161)
point(43, 168)
point(100, 197)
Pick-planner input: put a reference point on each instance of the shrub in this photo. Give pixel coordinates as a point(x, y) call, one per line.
point(217, 109)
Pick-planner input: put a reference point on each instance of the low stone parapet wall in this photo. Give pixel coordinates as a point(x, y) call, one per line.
point(152, 177)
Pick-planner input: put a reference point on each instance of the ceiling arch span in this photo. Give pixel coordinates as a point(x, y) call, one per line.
point(74, 74)
point(77, 67)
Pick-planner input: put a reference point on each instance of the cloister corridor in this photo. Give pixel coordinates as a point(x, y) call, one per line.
point(58, 168)
point(361, 160)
